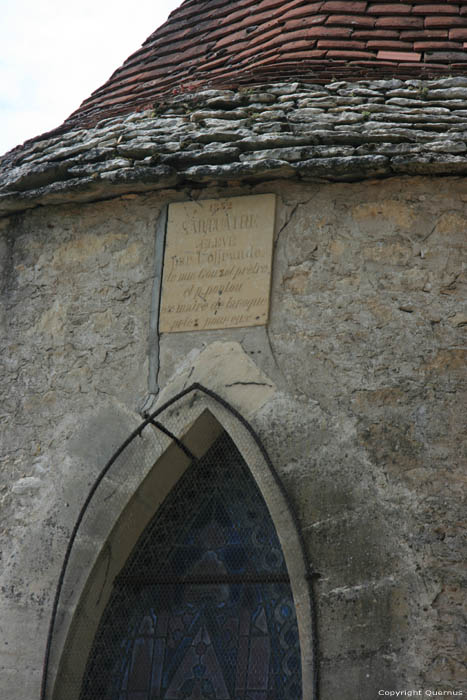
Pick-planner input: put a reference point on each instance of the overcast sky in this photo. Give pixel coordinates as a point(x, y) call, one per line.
point(54, 53)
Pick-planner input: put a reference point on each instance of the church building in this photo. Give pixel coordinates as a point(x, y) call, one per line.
point(233, 385)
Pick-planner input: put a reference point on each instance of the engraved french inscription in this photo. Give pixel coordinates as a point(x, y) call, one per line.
point(217, 264)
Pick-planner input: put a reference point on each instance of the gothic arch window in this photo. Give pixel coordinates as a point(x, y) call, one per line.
point(203, 607)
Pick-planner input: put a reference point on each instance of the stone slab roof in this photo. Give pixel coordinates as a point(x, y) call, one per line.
point(342, 131)
point(228, 91)
point(229, 43)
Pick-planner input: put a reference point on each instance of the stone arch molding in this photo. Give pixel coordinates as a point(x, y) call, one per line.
point(135, 483)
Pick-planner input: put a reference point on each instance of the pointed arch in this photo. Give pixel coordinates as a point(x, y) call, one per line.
point(187, 428)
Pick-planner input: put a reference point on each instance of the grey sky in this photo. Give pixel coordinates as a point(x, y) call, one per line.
point(54, 53)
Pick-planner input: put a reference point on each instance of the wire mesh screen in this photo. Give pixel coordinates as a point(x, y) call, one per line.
point(203, 606)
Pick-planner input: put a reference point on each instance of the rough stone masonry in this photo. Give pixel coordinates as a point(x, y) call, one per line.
point(340, 131)
point(364, 356)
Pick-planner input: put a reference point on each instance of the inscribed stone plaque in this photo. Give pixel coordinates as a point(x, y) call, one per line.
point(217, 264)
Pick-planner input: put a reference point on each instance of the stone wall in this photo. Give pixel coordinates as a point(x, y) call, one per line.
point(365, 360)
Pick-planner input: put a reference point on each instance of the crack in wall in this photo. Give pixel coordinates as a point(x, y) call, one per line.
point(248, 384)
point(154, 335)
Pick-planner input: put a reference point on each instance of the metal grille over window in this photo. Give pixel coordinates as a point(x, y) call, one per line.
point(203, 607)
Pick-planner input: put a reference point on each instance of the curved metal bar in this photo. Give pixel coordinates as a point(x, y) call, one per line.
point(150, 420)
point(311, 575)
point(173, 437)
point(74, 532)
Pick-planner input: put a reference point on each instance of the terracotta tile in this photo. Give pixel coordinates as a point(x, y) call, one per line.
point(220, 42)
point(301, 55)
point(255, 39)
point(438, 9)
point(269, 4)
point(265, 15)
point(349, 54)
point(231, 39)
point(288, 37)
point(236, 16)
point(263, 28)
point(389, 8)
point(400, 22)
point(428, 45)
point(263, 61)
point(390, 45)
point(399, 56)
point(303, 22)
point(448, 22)
point(424, 34)
point(329, 31)
point(336, 44)
point(294, 45)
point(344, 6)
point(351, 20)
point(375, 34)
point(458, 33)
point(253, 51)
point(303, 10)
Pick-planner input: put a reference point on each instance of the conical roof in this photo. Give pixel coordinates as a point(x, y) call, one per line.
point(229, 43)
point(252, 91)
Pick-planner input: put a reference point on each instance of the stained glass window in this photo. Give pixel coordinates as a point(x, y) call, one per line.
point(203, 607)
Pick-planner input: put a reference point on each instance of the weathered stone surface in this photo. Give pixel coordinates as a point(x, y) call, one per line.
point(446, 146)
point(344, 167)
point(218, 135)
point(314, 101)
point(278, 116)
point(451, 93)
point(30, 177)
point(100, 167)
point(293, 155)
point(262, 168)
point(202, 114)
point(182, 159)
point(265, 141)
point(138, 150)
point(435, 164)
point(355, 387)
point(227, 369)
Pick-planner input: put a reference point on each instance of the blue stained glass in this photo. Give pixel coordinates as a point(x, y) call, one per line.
point(203, 608)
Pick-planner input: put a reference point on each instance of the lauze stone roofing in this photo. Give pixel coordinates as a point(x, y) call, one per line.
point(228, 43)
point(340, 131)
point(242, 91)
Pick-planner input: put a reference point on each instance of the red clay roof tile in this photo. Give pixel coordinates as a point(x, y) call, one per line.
point(390, 45)
point(341, 44)
point(375, 33)
point(399, 22)
point(458, 33)
point(399, 56)
point(351, 20)
point(388, 8)
point(438, 9)
point(229, 43)
point(445, 21)
point(429, 45)
point(347, 6)
point(424, 34)
point(304, 10)
point(349, 55)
